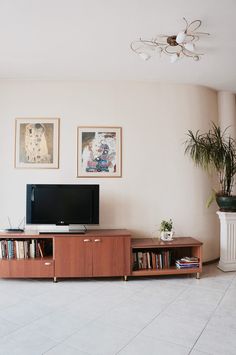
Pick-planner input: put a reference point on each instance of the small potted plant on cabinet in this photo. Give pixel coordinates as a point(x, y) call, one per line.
point(216, 151)
point(166, 229)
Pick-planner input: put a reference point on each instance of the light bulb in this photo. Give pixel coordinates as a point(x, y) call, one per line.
point(189, 46)
point(174, 58)
point(144, 56)
point(181, 37)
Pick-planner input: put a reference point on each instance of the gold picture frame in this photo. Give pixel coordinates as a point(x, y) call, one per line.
point(37, 143)
point(99, 151)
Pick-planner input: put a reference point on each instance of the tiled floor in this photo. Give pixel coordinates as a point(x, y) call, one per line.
point(157, 316)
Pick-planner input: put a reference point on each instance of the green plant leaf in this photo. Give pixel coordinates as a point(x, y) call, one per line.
point(211, 198)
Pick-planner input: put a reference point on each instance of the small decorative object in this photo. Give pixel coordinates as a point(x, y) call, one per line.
point(216, 151)
point(177, 46)
point(37, 143)
point(99, 152)
point(166, 229)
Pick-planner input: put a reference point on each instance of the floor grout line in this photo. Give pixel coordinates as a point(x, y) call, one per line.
point(213, 313)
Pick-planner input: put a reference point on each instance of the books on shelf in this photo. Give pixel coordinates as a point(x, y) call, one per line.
point(162, 259)
point(22, 249)
point(151, 260)
point(187, 262)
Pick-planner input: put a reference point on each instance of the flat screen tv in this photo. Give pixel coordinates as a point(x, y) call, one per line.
point(62, 204)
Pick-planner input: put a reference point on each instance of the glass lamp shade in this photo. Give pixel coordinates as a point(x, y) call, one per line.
point(189, 46)
point(144, 56)
point(174, 58)
point(181, 37)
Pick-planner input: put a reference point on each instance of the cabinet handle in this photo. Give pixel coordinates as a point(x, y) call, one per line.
point(87, 240)
point(97, 240)
point(47, 264)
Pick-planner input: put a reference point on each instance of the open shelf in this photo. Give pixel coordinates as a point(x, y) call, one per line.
point(168, 253)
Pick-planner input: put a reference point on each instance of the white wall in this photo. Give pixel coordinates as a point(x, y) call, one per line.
point(158, 181)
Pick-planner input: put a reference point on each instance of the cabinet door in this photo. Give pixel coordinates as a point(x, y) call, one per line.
point(73, 256)
point(111, 256)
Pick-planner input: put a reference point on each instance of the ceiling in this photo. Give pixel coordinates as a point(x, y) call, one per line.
point(90, 40)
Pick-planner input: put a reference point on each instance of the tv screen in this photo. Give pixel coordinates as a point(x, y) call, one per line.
point(62, 204)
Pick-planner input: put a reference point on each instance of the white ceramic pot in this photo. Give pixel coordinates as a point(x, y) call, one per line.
point(167, 236)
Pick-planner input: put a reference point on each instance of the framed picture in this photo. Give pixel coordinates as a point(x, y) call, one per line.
point(37, 143)
point(99, 152)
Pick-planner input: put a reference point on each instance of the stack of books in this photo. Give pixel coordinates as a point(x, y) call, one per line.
point(187, 262)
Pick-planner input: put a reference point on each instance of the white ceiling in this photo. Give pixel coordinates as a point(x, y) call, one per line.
point(90, 40)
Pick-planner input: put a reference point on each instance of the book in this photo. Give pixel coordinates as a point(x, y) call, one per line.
point(21, 249)
point(32, 249)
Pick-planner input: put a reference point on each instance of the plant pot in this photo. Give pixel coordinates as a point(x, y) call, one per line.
point(226, 203)
point(167, 236)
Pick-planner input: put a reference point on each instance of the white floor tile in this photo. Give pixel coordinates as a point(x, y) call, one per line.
point(180, 330)
point(197, 352)
point(223, 321)
point(7, 327)
point(131, 317)
point(205, 296)
point(100, 338)
point(192, 310)
point(217, 341)
point(23, 342)
point(63, 349)
point(25, 312)
point(146, 345)
point(58, 325)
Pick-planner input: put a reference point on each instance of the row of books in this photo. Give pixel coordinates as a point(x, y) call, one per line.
point(187, 263)
point(151, 260)
point(21, 249)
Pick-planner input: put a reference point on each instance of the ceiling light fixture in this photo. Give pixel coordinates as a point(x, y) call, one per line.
point(176, 46)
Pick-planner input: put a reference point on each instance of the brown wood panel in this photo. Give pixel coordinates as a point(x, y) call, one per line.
point(110, 257)
point(73, 256)
point(169, 271)
point(158, 243)
point(4, 268)
point(31, 267)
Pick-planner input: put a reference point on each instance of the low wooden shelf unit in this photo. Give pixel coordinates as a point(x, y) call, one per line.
point(98, 253)
point(171, 251)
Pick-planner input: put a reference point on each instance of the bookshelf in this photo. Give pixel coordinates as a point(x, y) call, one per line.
point(152, 256)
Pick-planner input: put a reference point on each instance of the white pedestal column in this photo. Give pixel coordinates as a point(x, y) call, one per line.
point(227, 241)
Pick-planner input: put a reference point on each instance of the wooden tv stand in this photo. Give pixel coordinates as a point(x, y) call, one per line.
point(98, 253)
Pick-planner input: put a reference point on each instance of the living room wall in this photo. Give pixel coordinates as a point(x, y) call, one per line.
point(158, 181)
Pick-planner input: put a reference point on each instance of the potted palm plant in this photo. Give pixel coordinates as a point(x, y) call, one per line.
point(215, 151)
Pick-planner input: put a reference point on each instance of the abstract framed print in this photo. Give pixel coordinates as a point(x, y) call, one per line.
point(99, 152)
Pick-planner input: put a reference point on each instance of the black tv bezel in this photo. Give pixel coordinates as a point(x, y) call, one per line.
point(95, 214)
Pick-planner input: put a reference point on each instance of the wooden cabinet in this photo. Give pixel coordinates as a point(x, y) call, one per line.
point(94, 254)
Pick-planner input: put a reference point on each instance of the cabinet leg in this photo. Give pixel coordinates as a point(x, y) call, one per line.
point(55, 279)
point(125, 278)
point(198, 275)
